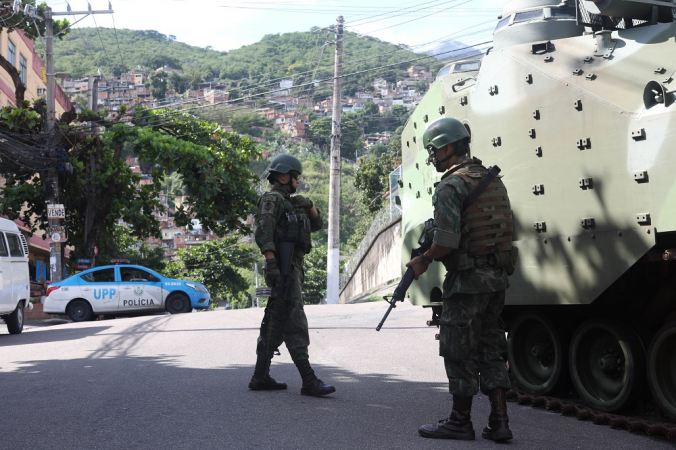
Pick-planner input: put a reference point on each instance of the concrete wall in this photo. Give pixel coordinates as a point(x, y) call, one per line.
point(380, 266)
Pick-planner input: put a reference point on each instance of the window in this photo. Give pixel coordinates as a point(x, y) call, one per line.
point(131, 274)
point(11, 53)
point(565, 12)
point(22, 67)
point(445, 70)
point(3, 246)
point(467, 66)
point(15, 247)
point(528, 15)
point(100, 276)
point(503, 23)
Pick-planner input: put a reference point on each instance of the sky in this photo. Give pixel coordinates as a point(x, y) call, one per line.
point(230, 24)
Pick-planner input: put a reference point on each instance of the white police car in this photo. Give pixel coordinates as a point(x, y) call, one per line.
point(122, 289)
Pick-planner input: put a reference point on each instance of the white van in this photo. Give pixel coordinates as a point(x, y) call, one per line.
point(14, 276)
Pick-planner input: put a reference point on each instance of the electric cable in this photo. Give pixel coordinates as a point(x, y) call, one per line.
point(112, 16)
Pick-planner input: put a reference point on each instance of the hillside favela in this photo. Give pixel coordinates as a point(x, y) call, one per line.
point(330, 224)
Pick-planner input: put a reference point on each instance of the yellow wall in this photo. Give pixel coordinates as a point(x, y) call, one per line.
point(35, 87)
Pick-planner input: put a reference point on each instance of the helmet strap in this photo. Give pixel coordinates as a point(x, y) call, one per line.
point(437, 161)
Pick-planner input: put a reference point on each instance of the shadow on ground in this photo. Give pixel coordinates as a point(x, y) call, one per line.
point(135, 402)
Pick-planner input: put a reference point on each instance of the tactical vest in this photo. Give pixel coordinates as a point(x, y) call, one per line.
point(292, 226)
point(487, 224)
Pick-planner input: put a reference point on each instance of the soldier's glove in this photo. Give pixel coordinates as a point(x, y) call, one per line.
point(301, 202)
point(271, 273)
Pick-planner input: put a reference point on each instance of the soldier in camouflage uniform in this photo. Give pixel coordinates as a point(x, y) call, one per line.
point(474, 244)
point(282, 219)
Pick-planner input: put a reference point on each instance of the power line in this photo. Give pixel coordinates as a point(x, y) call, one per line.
point(118, 41)
point(101, 39)
point(418, 18)
point(343, 76)
point(417, 6)
point(247, 90)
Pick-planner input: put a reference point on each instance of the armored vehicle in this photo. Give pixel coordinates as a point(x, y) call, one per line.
point(575, 103)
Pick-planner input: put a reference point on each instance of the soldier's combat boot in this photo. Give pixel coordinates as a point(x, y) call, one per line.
point(261, 379)
point(498, 422)
point(311, 384)
point(457, 426)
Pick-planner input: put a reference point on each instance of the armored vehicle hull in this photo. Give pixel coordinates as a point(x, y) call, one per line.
point(577, 112)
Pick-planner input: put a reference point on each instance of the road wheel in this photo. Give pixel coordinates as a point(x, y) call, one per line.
point(538, 355)
point(178, 303)
point(14, 321)
point(662, 369)
point(607, 365)
point(79, 311)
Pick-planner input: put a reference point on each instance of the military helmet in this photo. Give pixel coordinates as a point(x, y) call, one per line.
point(444, 131)
point(285, 163)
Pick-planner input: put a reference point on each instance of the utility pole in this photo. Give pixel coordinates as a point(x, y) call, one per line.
point(56, 229)
point(333, 254)
point(52, 181)
point(93, 95)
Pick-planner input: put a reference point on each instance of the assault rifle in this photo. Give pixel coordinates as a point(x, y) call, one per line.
point(425, 242)
point(279, 300)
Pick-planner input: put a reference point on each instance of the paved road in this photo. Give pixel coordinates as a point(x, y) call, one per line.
point(179, 382)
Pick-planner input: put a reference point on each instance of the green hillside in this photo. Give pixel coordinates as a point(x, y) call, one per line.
point(84, 51)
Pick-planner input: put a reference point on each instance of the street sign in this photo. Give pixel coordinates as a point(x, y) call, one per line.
point(82, 266)
point(56, 212)
point(84, 261)
point(56, 234)
point(96, 251)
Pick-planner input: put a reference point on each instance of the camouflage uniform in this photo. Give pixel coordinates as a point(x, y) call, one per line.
point(472, 337)
point(271, 222)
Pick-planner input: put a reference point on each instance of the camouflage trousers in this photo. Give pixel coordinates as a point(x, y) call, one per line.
point(294, 329)
point(472, 342)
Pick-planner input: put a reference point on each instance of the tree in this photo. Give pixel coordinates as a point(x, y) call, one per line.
point(314, 266)
point(372, 179)
point(173, 185)
point(81, 101)
point(158, 83)
point(421, 86)
point(120, 245)
point(394, 144)
point(235, 95)
point(102, 189)
point(215, 264)
point(193, 76)
point(248, 122)
point(400, 114)
point(154, 60)
point(350, 135)
point(177, 83)
point(32, 29)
